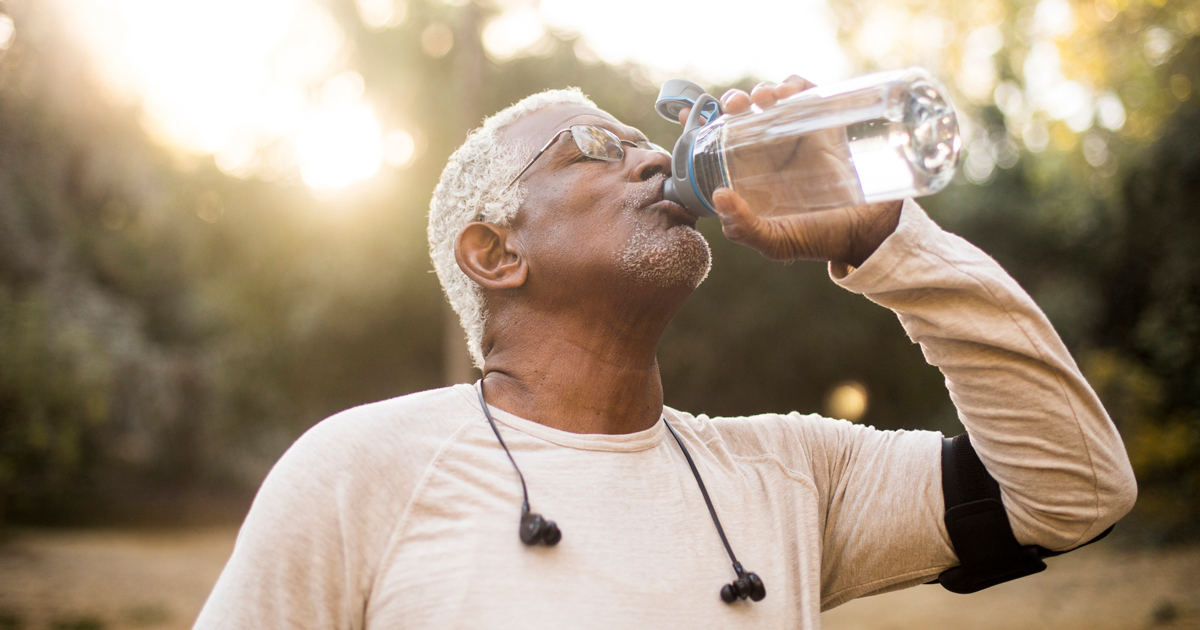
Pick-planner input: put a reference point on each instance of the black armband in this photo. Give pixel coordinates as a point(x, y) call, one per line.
point(987, 550)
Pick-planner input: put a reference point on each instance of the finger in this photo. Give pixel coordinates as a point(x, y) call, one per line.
point(778, 238)
point(738, 221)
point(792, 85)
point(683, 115)
point(800, 82)
point(763, 95)
point(735, 101)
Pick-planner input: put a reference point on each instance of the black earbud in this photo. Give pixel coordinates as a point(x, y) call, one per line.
point(747, 585)
point(536, 530)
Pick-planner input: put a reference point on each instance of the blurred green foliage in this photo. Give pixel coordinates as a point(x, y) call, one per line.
point(54, 393)
point(1148, 369)
point(166, 327)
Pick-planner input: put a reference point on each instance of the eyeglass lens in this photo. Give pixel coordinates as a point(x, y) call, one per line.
point(594, 142)
point(597, 143)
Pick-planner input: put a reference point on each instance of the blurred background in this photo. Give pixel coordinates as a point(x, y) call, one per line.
point(212, 235)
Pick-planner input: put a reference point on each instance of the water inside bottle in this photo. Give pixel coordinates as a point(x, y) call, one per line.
point(818, 151)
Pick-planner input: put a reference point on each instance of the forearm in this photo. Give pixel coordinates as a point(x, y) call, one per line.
point(1036, 424)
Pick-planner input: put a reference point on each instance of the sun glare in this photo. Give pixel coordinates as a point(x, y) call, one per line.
point(710, 41)
point(266, 88)
point(259, 84)
point(7, 31)
point(339, 145)
point(512, 32)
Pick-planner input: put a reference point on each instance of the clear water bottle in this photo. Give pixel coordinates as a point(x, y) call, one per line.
point(875, 138)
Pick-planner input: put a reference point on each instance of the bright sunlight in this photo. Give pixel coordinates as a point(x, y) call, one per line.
point(261, 85)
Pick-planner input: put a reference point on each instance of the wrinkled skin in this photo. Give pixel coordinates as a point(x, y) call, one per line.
point(573, 325)
point(846, 235)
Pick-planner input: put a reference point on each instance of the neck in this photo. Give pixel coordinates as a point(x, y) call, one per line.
point(599, 375)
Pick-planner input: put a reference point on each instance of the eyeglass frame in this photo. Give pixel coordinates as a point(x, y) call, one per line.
point(645, 145)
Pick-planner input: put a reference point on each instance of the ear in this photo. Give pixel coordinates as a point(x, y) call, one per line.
point(484, 252)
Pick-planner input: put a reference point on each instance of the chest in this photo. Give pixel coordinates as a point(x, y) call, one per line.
point(638, 548)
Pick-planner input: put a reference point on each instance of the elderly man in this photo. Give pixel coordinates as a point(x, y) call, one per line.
point(565, 266)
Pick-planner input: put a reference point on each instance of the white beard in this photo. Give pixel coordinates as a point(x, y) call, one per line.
point(675, 258)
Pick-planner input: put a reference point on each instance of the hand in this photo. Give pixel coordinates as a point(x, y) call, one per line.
point(848, 235)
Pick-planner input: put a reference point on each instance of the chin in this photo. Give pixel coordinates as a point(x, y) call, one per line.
point(678, 257)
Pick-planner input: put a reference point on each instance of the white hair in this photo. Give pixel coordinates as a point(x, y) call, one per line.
point(474, 187)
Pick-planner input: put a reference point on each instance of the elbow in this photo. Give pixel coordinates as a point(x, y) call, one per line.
point(1117, 498)
point(1115, 486)
point(1072, 519)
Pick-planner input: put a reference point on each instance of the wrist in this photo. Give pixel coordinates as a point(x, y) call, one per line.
point(875, 224)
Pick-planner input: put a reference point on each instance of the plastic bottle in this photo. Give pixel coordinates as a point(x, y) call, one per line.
point(875, 138)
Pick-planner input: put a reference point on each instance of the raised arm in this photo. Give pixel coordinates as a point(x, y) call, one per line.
point(1035, 422)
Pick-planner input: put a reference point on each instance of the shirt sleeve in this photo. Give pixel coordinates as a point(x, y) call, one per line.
point(1035, 422)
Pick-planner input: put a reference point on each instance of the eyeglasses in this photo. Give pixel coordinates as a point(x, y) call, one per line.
point(594, 142)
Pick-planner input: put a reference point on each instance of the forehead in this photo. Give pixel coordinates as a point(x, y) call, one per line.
point(535, 129)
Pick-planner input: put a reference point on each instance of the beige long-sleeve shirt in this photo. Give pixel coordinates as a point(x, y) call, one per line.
point(404, 513)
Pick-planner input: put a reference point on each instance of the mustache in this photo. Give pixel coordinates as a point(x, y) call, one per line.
point(646, 193)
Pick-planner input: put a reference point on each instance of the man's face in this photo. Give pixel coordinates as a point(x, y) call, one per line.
point(588, 221)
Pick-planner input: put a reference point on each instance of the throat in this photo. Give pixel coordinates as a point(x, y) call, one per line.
point(576, 393)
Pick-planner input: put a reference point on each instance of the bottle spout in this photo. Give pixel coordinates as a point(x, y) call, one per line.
point(682, 192)
point(669, 191)
point(680, 187)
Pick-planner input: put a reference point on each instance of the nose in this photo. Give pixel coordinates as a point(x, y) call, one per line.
point(645, 163)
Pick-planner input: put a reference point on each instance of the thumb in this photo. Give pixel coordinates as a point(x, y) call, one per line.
point(683, 115)
point(771, 237)
point(738, 221)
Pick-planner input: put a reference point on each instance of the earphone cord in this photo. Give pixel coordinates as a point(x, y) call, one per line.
point(737, 566)
point(524, 491)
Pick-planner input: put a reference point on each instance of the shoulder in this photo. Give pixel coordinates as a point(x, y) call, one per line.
point(750, 435)
point(392, 440)
point(311, 543)
point(804, 440)
point(422, 415)
point(352, 474)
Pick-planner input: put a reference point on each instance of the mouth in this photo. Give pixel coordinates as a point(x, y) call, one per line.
point(649, 199)
point(677, 214)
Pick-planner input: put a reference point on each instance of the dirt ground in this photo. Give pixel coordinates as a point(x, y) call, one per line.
point(1095, 588)
point(109, 580)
